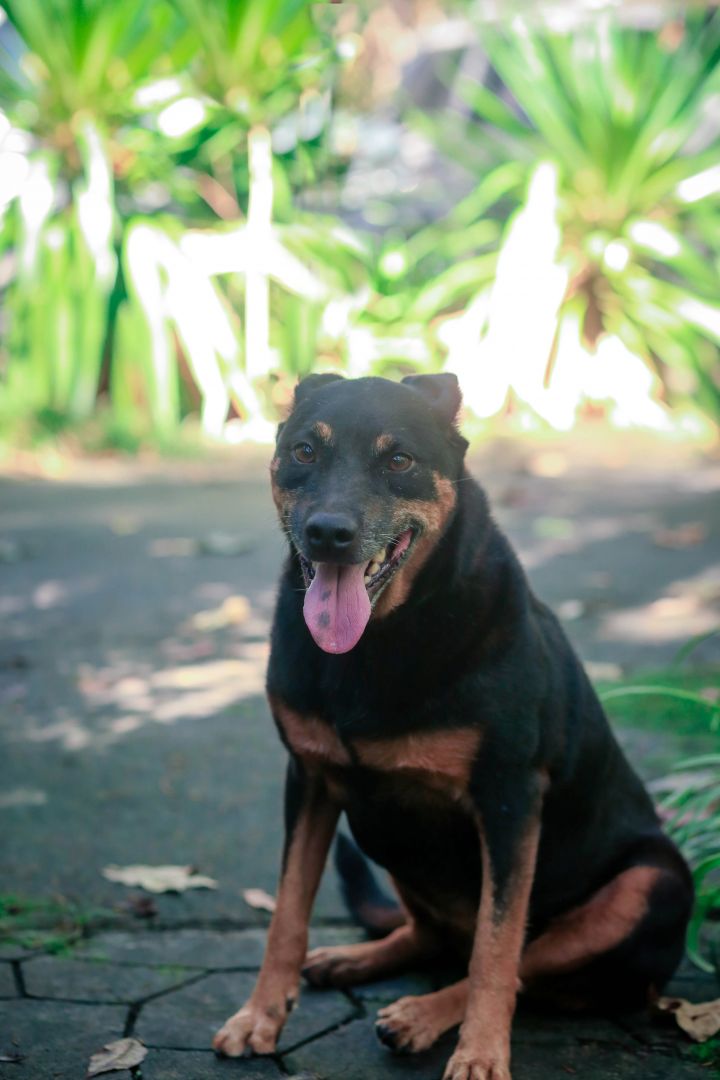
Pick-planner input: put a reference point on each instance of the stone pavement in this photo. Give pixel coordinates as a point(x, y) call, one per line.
point(172, 988)
point(133, 730)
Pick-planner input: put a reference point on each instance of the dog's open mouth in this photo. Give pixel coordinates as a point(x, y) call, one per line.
point(339, 599)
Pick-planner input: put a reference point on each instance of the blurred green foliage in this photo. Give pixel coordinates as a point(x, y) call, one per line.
point(625, 117)
point(162, 266)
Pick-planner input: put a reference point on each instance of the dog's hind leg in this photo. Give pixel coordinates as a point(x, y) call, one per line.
point(616, 949)
point(347, 965)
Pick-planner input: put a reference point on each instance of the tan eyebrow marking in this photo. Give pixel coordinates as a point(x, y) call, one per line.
point(323, 431)
point(383, 443)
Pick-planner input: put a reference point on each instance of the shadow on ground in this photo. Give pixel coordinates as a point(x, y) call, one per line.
point(135, 609)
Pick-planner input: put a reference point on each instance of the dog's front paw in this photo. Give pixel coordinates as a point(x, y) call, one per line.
point(254, 1029)
point(468, 1064)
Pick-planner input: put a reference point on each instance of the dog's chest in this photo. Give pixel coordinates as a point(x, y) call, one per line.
point(438, 759)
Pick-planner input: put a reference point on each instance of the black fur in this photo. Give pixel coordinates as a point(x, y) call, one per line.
point(472, 646)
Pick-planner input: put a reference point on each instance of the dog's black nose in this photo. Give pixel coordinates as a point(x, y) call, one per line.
point(329, 535)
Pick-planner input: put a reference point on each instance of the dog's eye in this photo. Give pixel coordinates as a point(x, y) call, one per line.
point(400, 462)
point(303, 453)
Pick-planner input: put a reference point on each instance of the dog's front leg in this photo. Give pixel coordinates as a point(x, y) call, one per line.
point(310, 820)
point(509, 834)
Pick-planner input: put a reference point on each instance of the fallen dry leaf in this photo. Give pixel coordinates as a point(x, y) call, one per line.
point(121, 1054)
point(688, 535)
point(700, 1021)
point(159, 879)
point(11, 1059)
point(258, 898)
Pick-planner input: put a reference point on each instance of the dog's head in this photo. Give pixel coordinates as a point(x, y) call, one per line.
point(364, 480)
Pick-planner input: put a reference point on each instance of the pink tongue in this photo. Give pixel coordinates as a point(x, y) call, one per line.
point(337, 606)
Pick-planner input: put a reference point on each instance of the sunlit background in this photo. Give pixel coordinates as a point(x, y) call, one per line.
point(202, 200)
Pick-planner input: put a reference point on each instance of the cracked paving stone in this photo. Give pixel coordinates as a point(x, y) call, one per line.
point(7, 982)
point(56, 1040)
point(10, 951)
point(593, 1062)
point(197, 1065)
point(188, 1018)
point(535, 1026)
point(353, 1052)
point(205, 949)
point(51, 977)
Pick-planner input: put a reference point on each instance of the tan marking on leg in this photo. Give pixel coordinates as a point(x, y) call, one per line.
point(432, 514)
point(484, 1047)
point(308, 736)
point(446, 755)
point(323, 431)
point(347, 965)
point(588, 931)
point(257, 1025)
point(415, 1023)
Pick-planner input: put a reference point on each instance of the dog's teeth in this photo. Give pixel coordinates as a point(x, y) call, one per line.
point(374, 567)
point(367, 579)
point(379, 556)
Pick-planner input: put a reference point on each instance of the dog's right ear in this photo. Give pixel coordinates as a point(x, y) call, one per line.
point(441, 392)
point(311, 384)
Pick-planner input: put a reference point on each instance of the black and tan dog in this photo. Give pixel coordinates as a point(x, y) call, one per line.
point(420, 687)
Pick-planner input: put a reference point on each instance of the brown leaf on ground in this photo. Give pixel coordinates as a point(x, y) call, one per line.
point(688, 535)
point(700, 1021)
point(159, 879)
point(121, 1054)
point(258, 898)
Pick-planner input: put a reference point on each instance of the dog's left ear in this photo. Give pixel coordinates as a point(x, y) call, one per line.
point(311, 384)
point(441, 392)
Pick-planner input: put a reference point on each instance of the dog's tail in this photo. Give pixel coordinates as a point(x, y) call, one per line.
point(369, 905)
